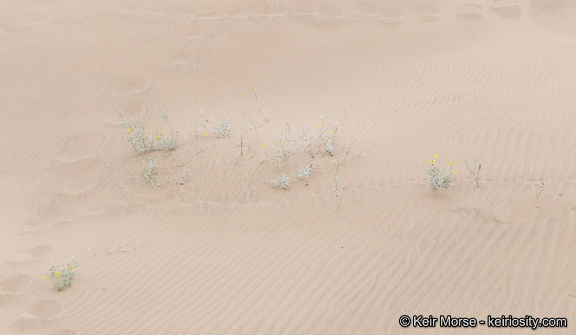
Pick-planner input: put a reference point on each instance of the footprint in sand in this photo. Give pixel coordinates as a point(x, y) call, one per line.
point(365, 8)
point(25, 324)
point(391, 14)
point(134, 87)
point(63, 332)
point(82, 146)
point(428, 14)
point(390, 18)
point(44, 309)
point(330, 11)
point(507, 9)
point(547, 3)
point(469, 12)
point(29, 255)
point(551, 12)
point(306, 8)
point(14, 285)
point(66, 174)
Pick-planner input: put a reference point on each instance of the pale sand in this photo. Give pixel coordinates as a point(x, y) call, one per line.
point(226, 253)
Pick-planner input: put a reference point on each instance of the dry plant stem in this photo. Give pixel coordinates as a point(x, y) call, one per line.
point(538, 193)
point(473, 172)
point(124, 164)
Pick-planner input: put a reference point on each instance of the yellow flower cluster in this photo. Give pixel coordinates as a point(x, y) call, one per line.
point(433, 161)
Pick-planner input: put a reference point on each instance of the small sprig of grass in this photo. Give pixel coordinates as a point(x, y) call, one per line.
point(62, 275)
point(539, 191)
point(474, 168)
point(440, 178)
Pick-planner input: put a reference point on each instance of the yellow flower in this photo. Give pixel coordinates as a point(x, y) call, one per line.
point(74, 267)
point(330, 131)
point(433, 161)
point(205, 133)
point(454, 171)
point(436, 155)
point(44, 276)
point(112, 119)
point(58, 274)
point(157, 137)
point(121, 129)
point(160, 132)
point(155, 122)
point(454, 160)
point(451, 163)
point(129, 129)
point(263, 145)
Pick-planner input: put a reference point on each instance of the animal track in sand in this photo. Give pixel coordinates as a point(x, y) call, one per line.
point(507, 9)
point(14, 284)
point(29, 255)
point(44, 309)
point(469, 12)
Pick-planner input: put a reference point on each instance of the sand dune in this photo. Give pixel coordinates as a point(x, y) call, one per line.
point(215, 249)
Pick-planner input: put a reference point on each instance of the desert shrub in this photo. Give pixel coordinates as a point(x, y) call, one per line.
point(438, 177)
point(62, 275)
point(136, 136)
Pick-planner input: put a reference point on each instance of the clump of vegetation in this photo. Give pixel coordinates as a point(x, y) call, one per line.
point(438, 177)
point(284, 182)
point(474, 169)
point(323, 141)
point(305, 173)
point(62, 275)
point(286, 145)
point(150, 171)
point(141, 141)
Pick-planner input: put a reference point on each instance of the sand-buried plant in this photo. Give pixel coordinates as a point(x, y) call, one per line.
point(539, 189)
point(62, 275)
